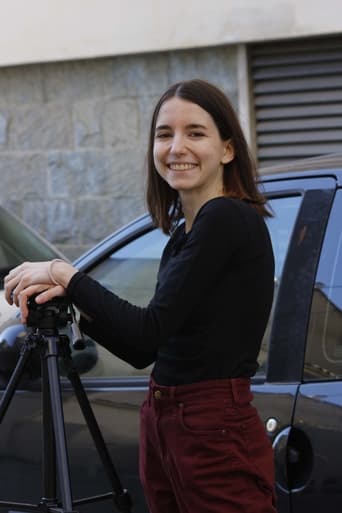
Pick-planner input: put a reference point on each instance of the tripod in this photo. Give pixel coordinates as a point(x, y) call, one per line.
point(44, 321)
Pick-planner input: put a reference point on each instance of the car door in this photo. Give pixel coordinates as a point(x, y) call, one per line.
point(127, 263)
point(316, 469)
point(301, 207)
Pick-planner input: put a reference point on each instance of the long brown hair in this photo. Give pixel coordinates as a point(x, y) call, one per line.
point(239, 175)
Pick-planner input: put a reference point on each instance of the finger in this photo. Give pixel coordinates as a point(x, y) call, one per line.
point(24, 296)
point(9, 294)
point(25, 283)
point(13, 276)
point(14, 288)
point(12, 273)
point(9, 287)
point(50, 293)
point(23, 307)
point(14, 296)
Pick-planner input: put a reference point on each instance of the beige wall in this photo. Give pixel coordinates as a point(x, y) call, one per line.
point(52, 30)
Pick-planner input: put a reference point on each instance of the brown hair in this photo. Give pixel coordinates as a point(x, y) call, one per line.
point(239, 176)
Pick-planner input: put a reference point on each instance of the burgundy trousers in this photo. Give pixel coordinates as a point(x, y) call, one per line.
point(204, 449)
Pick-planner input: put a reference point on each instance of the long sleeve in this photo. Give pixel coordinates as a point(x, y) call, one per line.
point(138, 358)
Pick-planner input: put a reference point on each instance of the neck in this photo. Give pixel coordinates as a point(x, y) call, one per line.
point(191, 205)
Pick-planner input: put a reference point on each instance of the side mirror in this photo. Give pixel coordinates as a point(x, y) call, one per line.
point(12, 338)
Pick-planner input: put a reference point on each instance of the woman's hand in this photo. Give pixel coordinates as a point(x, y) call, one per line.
point(24, 275)
point(51, 278)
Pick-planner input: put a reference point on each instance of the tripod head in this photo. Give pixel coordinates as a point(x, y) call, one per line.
point(53, 315)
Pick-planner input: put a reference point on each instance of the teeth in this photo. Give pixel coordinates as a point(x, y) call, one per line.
point(181, 167)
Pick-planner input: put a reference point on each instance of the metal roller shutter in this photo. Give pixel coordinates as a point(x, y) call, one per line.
point(297, 91)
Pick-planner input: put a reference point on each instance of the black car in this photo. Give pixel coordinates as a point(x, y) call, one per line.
point(297, 389)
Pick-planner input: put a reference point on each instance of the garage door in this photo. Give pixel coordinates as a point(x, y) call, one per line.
point(297, 94)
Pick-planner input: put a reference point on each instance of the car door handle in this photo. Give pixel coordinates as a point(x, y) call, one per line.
point(293, 456)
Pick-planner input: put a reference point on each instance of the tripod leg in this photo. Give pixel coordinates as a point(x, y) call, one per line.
point(58, 424)
point(14, 379)
point(121, 496)
point(49, 445)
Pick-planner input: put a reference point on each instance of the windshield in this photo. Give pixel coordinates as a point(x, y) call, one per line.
point(19, 243)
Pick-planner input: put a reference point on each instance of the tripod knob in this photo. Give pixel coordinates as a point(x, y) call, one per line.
point(77, 337)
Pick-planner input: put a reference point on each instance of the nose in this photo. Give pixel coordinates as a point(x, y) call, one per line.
point(177, 144)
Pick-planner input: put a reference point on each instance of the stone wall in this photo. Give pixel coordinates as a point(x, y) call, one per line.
point(73, 138)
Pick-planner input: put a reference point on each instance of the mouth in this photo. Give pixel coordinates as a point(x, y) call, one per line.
point(181, 166)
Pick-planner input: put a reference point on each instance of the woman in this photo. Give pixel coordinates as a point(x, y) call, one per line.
point(203, 447)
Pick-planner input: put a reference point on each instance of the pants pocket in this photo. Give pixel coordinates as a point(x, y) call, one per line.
point(210, 418)
point(259, 452)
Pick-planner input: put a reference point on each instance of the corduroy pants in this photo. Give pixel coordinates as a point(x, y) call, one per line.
point(204, 449)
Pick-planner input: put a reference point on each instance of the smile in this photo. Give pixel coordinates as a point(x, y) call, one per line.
point(181, 167)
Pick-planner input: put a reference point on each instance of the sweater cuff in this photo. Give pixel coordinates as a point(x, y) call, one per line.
point(75, 279)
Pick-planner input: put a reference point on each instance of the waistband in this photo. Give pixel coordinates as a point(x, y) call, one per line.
point(236, 389)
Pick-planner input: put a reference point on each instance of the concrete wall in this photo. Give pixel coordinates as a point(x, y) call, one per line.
point(51, 30)
point(78, 79)
point(73, 137)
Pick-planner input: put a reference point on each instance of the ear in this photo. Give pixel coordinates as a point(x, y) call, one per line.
point(228, 152)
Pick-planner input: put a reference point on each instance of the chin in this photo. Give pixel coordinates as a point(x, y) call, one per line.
point(180, 185)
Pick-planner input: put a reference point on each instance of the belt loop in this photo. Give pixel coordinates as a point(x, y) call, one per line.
point(150, 392)
point(235, 392)
point(173, 390)
point(241, 391)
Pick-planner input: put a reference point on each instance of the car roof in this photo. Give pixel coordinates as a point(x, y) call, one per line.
point(330, 164)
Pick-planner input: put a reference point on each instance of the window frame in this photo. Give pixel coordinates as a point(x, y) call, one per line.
point(292, 310)
point(315, 351)
point(261, 376)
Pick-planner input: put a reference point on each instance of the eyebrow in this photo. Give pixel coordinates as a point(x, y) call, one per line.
point(190, 126)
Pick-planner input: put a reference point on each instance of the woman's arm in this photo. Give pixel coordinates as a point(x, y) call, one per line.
point(138, 358)
point(218, 234)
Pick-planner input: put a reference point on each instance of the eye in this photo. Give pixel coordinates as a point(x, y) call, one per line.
point(195, 134)
point(163, 135)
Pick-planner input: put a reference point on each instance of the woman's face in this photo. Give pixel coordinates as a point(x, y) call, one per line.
point(188, 151)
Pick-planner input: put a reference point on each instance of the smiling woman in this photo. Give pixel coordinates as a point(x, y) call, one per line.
point(194, 125)
point(202, 445)
point(190, 156)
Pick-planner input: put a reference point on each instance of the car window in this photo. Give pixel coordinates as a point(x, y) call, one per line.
point(280, 226)
point(323, 358)
point(131, 273)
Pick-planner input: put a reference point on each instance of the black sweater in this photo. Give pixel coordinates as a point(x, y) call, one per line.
point(212, 300)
